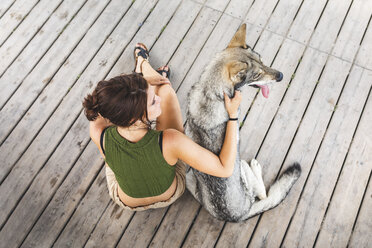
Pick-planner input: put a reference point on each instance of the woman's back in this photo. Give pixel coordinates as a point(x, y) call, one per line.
point(140, 167)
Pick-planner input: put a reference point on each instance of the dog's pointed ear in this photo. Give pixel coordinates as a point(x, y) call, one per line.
point(239, 38)
point(236, 71)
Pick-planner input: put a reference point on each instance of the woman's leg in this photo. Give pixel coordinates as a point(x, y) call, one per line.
point(171, 116)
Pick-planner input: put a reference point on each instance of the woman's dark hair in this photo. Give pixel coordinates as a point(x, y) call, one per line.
point(122, 100)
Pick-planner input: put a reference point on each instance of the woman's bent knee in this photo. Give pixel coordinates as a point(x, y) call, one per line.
point(165, 90)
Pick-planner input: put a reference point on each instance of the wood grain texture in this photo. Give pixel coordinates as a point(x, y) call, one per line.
point(364, 57)
point(5, 5)
point(348, 41)
point(25, 32)
point(361, 236)
point(65, 200)
point(14, 16)
point(329, 25)
point(52, 36)
point(344, 205)
point(29, 165)
point(51, 176)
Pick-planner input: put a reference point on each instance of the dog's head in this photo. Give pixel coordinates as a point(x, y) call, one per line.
point(243, 66)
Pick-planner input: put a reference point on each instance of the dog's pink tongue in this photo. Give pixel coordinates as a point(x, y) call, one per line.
point(264, 90)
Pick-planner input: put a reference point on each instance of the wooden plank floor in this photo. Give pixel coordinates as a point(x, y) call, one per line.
point(52, 182)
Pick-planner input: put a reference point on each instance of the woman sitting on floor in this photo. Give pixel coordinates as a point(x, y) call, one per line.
point(141, 163)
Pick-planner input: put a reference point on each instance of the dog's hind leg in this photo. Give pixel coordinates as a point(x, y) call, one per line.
point(277, 192)
point(257, 170)
point(251, 181)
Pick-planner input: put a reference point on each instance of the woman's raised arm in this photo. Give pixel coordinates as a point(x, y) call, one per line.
point(179, 146)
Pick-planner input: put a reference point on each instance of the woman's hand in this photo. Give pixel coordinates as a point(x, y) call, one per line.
point(232, 104)
point(157, 80)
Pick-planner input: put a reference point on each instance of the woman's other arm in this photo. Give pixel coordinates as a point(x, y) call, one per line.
point(179, 146)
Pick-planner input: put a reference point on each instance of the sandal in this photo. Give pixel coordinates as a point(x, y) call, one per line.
point(144, 53)
point(165, 70)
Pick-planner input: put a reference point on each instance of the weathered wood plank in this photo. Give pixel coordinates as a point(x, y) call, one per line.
point(364, 57)
point(260, 12)
point(348, 40)
point(174, 33)
point(205, 231)
point(263, 110)
point(34, 200)
point(275, 151)
point(176, 223)
point(48, 138)
point(65, 200)
point(42, 87)
point(268, 176)
point(344, 205)
point(329, 24)
point(57, 87)
point(5, 5)
point(142, 228)
point(41, 43)
point(10, 20)
point(305, 153)
point(304, 146)
point(319, 186)
point(330, 181)
point(110, 226)
point(281, 19)
point(24, 32)
point(277, 25)
point(306, 20)
point(361, 236)
point(219, 5)
point(290, 112)
point(161, 53)
point(77, 230)
point(191, 45)
point(238, 9)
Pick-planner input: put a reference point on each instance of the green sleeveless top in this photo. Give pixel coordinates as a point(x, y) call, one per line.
point(139, 168)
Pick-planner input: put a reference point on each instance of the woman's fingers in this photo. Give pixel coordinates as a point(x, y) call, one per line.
point(232, 104)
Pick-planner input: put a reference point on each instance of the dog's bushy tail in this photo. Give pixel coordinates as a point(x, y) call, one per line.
point(277, 192)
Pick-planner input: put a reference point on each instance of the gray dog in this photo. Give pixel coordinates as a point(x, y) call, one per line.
point(233, 198)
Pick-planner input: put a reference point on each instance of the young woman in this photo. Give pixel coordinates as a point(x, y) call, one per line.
point(141, 163)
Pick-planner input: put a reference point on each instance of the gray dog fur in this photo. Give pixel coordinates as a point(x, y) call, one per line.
point(233, 198)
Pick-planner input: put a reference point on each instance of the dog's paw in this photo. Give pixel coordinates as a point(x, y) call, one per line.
point(256, 168)
point(262, 194)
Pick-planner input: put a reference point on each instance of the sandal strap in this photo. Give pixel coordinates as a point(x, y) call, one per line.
point(143, 53)
point(167, 72)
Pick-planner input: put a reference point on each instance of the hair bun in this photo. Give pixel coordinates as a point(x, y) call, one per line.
point(90, 105)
